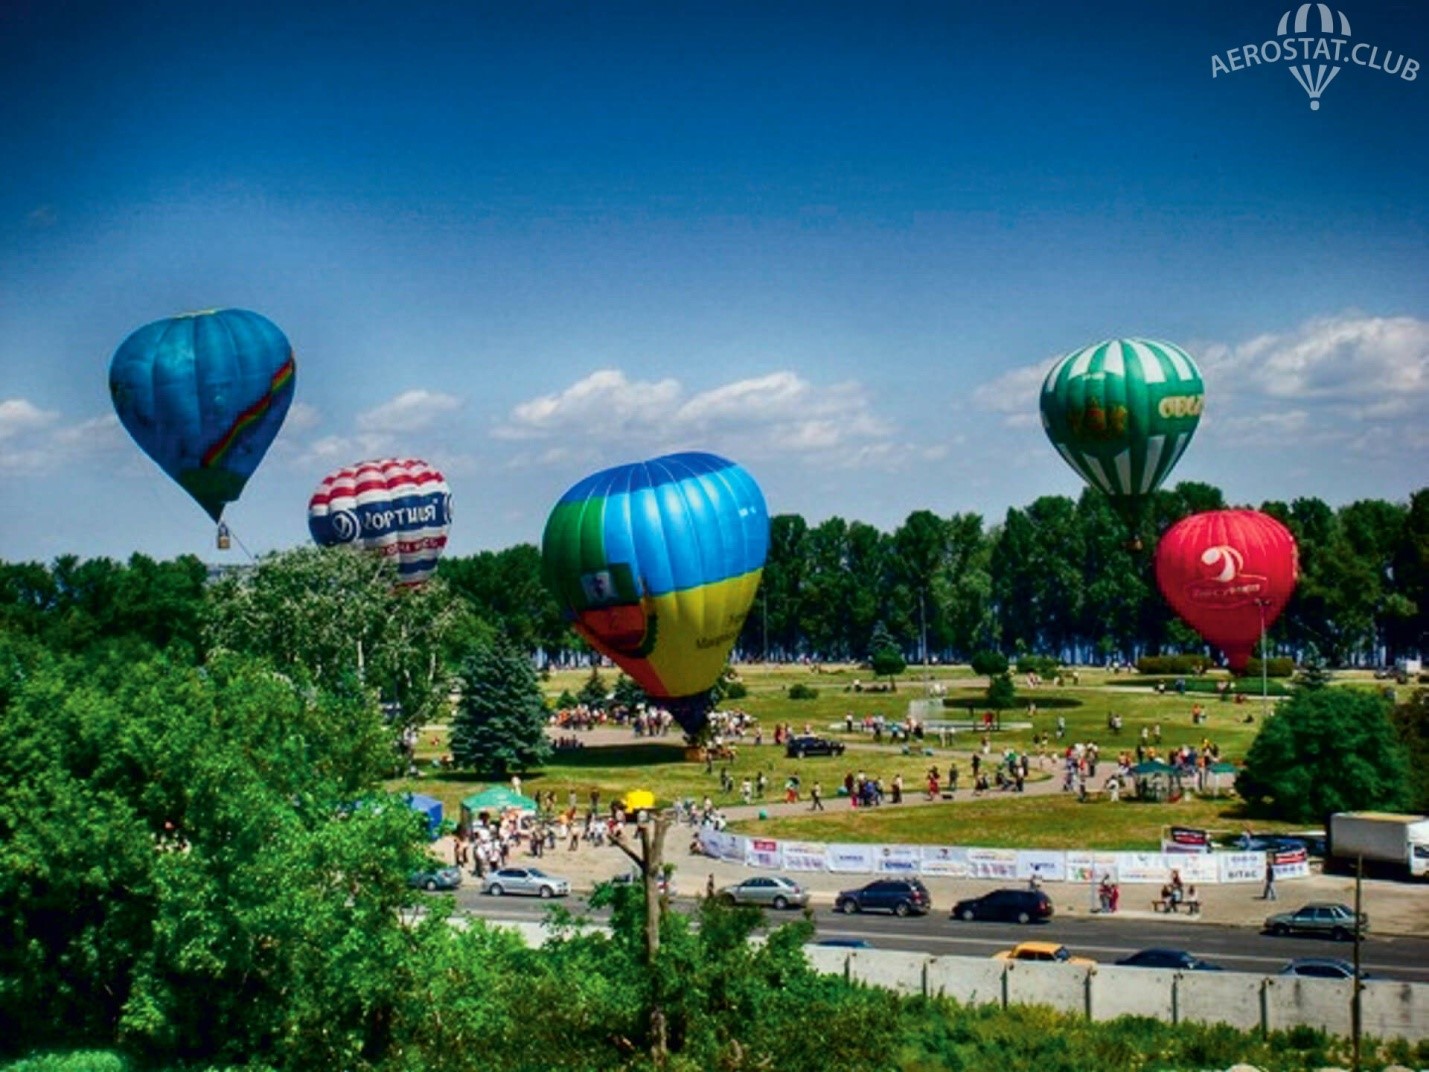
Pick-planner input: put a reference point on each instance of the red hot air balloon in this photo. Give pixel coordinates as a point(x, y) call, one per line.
point(1228, 574)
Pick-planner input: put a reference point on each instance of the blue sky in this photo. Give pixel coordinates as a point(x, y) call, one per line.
point(840, 243)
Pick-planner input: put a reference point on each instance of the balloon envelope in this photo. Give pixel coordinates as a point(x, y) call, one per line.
point(656, 565)
point(1121, 413)
point(399, 508)
point(204, 394)
point(1222, 570)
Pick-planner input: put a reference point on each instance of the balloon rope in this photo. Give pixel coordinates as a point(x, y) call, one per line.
point(241, 545)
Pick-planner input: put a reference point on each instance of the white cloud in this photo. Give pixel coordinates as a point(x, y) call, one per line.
point(606, 405)
point(302, 417)
point(37, 441)
point(776, 413)
point(411, 411)
point(1014, 394)
point(19, 415)
point(1349, 356)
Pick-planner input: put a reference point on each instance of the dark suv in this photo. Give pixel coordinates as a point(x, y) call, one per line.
point(901, 896)
point(1008, 906)
point(808, 745)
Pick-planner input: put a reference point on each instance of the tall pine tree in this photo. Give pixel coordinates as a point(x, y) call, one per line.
point(499, 726)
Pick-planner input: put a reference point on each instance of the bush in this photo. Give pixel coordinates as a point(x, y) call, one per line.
point(800, 691)
point(989, 663)
point(736, 690)
point(1188, 663)
point(1279, 666)
point(1041, 665)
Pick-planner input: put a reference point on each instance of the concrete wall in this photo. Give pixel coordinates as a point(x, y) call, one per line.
point(1062, 986)
point(1242, 999)
point(888, 968)
point(1220, 997)
point(1133, 992)
point(1291, 1001)
point(968, 980)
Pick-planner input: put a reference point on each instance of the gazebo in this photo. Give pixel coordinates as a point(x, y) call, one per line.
point(1157, 781)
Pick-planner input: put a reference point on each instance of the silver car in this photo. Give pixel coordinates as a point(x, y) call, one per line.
point(767, 891)
point(527, 881)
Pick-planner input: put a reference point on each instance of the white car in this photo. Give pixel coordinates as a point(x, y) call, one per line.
point(527, 881)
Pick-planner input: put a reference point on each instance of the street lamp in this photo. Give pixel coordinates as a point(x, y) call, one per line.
point(1261, 604)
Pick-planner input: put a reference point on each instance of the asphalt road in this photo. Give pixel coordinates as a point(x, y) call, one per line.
point(1102, 939)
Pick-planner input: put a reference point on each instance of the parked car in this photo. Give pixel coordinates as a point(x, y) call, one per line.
point(767, 891)
point(901, 896)
point(809, 745)
point(1049, 952)
point(1270, 843)
point(1322, 968)
point(1175, 959)
point(435, 878)
point(846, 943)
point(1335, 921)
point(1007, 906)
point(527, 881)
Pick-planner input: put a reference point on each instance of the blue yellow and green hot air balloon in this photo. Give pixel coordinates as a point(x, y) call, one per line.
point(656, 565)
point(203, 394)
point(1122, 412)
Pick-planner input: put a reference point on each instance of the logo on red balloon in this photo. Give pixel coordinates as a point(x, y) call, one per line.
point(1223, 582)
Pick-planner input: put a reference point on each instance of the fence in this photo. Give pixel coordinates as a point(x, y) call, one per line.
point(949, 861)
point(1103, 992)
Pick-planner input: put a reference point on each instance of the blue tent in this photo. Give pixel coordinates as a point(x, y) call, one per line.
point(431, 807)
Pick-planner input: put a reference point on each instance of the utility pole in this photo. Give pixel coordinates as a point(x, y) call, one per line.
point(1264, 664)
point(651, 862)
point(1355, 1025)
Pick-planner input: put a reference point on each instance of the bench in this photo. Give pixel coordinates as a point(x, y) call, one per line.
point(1161, 904)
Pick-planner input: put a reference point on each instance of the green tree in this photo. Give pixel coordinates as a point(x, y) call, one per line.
point(500, 723)
point(339, 614)
point(1001, 692)
point(884, 658)
point(1411, 726)
point(1326, 750)
point(594, 693)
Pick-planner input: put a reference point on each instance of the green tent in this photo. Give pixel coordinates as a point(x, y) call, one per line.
point(497, 798)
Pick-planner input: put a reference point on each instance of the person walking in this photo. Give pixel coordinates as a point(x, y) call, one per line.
point(1268, 894)
point(816, 794)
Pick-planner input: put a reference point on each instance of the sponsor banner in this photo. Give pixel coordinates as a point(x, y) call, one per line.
point(712, 841)
point(1242, 866)
point(1194, 867)
point(1147, 867)
point(856, 859)
point(1049, 865)
point(992, 863)
point(762, 852)
point(1187, 839)
point(1091, 866)
point(898, 859)
point(945, 860)
point(1292, 864)
point(805, 856)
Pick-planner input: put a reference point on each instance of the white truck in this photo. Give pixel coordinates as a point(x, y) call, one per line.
point(1386, 842)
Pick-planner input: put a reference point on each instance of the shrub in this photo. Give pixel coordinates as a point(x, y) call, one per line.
point(736, 690)
point(989, 663)
point(1279, 666)
point(1041, 665)
point(1188, 663)
point(800, 691)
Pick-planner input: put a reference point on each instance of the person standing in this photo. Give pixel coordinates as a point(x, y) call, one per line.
point(816, 794)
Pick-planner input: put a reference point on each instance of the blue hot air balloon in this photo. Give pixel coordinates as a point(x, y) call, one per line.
point(204, 394)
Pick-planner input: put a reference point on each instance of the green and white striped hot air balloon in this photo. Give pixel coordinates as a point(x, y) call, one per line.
point(1121, 413)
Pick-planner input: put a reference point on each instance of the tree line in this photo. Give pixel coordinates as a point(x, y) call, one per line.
point(1055, 577)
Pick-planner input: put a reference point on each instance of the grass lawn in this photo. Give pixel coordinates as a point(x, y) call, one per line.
point(1002, 821)
point(660, 766)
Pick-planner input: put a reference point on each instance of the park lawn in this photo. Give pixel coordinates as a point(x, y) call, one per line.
point(1098, 695)
point(659, 765)
point(1001, 821)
